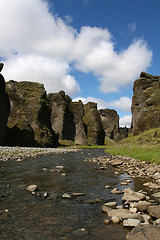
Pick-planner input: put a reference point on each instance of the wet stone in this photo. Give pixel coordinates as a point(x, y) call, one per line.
point(32, 188)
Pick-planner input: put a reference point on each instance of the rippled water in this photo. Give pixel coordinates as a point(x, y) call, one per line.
point(31, 217)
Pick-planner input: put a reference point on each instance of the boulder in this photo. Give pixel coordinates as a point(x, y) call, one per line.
point(131, 222)
point(146, 103)
point(154, 211)
point(4, 109)
point(142, 205)
point(147, 232)
point(29, 120)
point(156, 195)
point(131, 196)
point(93, 123)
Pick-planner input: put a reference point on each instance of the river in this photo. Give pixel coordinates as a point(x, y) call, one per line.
point(25, 216)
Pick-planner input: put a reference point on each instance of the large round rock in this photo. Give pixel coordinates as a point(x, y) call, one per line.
point(148, 232)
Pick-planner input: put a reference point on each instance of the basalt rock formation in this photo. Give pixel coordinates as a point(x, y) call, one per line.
point(146, 103)
point(4, 109)
point(61, 118)
point(67, 118)
point(94, 125)
point(110, 123)
point(29, 121)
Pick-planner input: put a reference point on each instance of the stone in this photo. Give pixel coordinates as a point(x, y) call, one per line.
point(116, 191)
point(131, 196)
point(45, 195)
point(110, 204)
point(142, 205)
point(32, 188)
point(116, 163)
point(115, 219)
point(133, 210)
point(131, 222)
point(121, 213)
point(156, 195)
point(147, 232)
point(107, 221)
point(154, 211)
point(66, 195)
point(78, 194)
point(107, 187)
point(157, 221)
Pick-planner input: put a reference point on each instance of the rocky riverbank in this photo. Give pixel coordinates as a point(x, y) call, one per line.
point(139, 210)
point(21, 153)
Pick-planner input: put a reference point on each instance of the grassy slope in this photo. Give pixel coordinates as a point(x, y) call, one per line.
point(145, 146)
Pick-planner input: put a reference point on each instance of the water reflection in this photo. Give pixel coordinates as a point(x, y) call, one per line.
point(32, 217)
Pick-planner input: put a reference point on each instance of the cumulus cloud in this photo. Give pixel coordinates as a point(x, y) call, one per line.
point(95, 53)
point(39, 46)
point(125, 121)
point(100, 103)
point(122, 104)
point(41, 69)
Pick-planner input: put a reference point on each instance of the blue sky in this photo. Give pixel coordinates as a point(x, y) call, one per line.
point(92, 49)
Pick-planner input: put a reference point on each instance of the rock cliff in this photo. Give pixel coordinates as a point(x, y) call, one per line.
point(67, 118)
point(94, 125)
point(29, 121)
point(146, 103)
point(4, 109)
point(110, 123)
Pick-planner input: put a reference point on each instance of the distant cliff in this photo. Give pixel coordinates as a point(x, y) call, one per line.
point(146, 103)
point(37, 119)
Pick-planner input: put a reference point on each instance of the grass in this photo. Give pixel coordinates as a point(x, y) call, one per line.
point(145, 147)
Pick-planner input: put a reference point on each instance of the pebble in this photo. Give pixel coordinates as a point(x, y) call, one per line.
point(32, 188)
point(131, 222)
point(115, 219)
point(66, 195)
point(110, 204)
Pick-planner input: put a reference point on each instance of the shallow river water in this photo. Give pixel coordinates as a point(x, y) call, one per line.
point(24, 216)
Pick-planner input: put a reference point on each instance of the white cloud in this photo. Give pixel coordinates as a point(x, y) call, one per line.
point(125, 121)
point(100, 103)
point(41, 69)
point(47, 46)
point(94, 51)
point(123, 104)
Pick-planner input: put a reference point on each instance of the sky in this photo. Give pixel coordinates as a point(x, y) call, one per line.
point(94, 50)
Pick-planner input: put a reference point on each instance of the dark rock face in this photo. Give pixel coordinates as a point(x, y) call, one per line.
point(77, 109)
point(4, 109)
point(123, 132)
point(94, 125)
point(110, 123)
point(29, 121)
point(146, 103)
point(67, 118)
point(62, 118)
